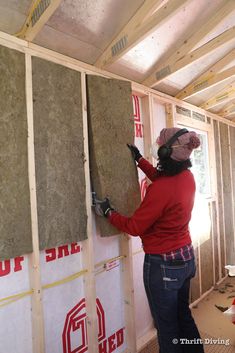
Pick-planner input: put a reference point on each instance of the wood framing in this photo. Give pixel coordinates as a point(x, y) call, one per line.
point(149, 97)
point(220, 198)
point(170, 115)
point(225, 95)
point(34, 259)
point(200, 52)
point(228, 110)
point(88, 250)
point(232, 178)
point(147, 113)
point(201, 81)
point(39, 14)
point(47, 54)
point(162, 71)
point(128, 292)
point(137, 29)
point(215, 80)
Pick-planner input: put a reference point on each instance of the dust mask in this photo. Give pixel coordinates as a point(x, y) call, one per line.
point(154, 150)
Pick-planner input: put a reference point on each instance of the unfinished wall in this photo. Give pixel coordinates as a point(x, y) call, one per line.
point(111, 127)
point(15, 223)
point(214, 217)
point(195, 282)
point(206, 254)
point(232, 150)
point(59, 154)
point(64, 272)
point(227, 192)
point(220, 199)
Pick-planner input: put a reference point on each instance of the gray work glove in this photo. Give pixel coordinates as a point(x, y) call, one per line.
point(102, 208)
point(135, 152)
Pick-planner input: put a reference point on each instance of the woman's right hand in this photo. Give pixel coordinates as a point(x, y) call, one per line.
point(135, 152)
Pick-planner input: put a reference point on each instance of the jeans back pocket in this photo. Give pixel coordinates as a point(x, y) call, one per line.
point(173, 276)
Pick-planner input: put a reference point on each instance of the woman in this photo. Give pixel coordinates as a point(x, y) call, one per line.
point(162, 222)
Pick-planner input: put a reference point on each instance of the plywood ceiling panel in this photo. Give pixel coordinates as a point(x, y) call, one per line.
point(93, 22)
point(13, 14)
point(65, 44)
point(21, 6)
point(10, 20)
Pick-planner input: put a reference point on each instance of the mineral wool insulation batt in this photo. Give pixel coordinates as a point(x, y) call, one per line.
point(111, 127)
point(59, 154)
point(15, 220)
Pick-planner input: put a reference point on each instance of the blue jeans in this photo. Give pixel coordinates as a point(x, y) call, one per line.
point(167, 285)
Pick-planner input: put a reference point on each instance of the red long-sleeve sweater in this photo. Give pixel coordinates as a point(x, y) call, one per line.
point(162, 218)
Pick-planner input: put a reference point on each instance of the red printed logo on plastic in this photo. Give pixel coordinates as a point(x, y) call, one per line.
point(74, 335)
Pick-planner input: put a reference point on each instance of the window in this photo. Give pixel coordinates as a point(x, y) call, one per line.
point(200, 162)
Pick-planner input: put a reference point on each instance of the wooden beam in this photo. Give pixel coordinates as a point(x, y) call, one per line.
point(38, 339)
point(136, 30)
point(201, 81)
point(39, 13)
point(147, 111)
point(162, 71)
point(128, 292)
point(88, 244)
point(228, 110)
point(225, 95)
point(170, 115)
point(215, 80)
point(198, 53)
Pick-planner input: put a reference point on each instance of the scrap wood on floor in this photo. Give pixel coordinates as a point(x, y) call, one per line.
point(212, 320)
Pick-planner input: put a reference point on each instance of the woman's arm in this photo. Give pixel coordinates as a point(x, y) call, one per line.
point(145, 216)
point(142, 163)
point(149, 170)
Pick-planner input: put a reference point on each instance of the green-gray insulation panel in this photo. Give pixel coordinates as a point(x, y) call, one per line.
point(111, 127)
point(59, 154)
point(15, 220)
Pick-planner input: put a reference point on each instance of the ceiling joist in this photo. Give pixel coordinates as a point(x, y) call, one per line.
point(162, 71)
point(215, 80)
point(202, 81)
point(137, 29)
point(225, 95)
point(39, 13)
point(205, 49)
point(228, 110)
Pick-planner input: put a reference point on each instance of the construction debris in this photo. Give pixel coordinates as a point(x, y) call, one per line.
point(221, 308)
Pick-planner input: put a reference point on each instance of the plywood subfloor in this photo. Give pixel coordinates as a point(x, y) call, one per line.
point(212, 323)
point(211, 320)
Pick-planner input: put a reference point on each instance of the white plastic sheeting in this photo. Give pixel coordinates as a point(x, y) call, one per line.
point(63, 298)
